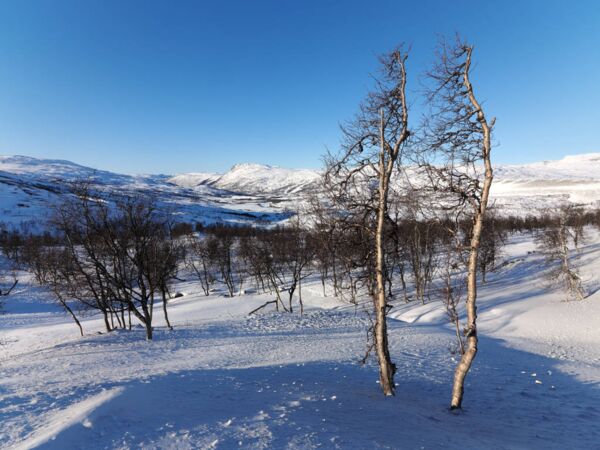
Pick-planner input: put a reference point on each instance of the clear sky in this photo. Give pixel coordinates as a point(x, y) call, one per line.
point(176, 86)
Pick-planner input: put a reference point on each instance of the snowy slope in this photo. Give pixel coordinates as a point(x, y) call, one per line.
point(530, 187)
point(29, 188)
point(254, 179)
point(194, 179)
point(517, 189)
point(222, 380)
point(251, 193)
point(575, 167)
point(261, 179)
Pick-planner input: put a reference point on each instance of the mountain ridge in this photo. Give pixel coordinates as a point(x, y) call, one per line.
point(261, 193)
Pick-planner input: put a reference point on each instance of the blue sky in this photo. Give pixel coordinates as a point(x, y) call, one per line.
point(175, 86)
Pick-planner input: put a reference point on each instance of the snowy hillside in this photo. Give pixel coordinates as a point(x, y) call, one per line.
point(255, 178)
point(250, 193)
point(577, 167)
point(29, 187)
point(528, 187)
point(222, 379)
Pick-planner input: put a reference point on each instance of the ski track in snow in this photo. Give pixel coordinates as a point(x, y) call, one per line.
point(223, 380)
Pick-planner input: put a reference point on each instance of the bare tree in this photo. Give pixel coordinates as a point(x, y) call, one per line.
point(113, 252)
point(459, 138)
point(221, 251)
point(564, 231)
point(198, 261)
point(298, 261)
point(359, 179)
point(492, 240)
point(55, 269)
point(164, 257)
point(10, 244)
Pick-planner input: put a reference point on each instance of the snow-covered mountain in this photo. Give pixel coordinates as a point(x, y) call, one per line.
point(29, 187)
point(525, 188)
point(254, 179)
point(250, 193)
point(574, 167)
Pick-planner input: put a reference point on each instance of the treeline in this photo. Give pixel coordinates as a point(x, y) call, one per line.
point(122, 260)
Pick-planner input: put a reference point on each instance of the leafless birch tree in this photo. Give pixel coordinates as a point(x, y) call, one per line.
point(458, 136)
point(360, 176)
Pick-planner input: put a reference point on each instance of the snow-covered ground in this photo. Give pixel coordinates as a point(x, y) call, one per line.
point(255, 193)
point(224, 380)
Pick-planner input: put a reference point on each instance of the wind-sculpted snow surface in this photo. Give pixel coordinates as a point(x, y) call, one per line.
point(222, 379)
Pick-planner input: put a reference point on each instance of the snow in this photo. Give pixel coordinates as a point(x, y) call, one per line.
point(30, 187)
point(257, 193)
point(194, 179)
point(64, 419)
point(224, 380)
point(264, 179)
point(252, 179)
point(572, 167)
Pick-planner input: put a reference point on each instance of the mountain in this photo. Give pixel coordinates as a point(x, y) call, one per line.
point(255, 193)
point(574, 167)
point(254, 179)
point(30, 186)
point(519, 189)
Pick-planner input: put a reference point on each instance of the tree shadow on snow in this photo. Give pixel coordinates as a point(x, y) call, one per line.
point(514, 400)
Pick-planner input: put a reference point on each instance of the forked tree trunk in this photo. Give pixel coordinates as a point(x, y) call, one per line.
point(378, 163)
point(145, 318)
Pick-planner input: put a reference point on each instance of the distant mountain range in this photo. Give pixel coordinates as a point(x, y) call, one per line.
point(255, 193)
point(253, 179)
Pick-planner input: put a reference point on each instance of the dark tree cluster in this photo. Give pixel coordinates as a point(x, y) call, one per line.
point(117, 260)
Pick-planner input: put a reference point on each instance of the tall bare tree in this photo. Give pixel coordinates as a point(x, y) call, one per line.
point(458, 136)
point(361, 174)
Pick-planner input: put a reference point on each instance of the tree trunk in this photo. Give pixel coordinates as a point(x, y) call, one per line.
point(386, 367)
point(123, 316)
point(146, 320)
point(470, 331)
point(70, 311)
point(335, 279)
point(164, 299)
point(291, 291)
point(300, 296)
point(149, 331)
point(467, 358)
point(106, 324)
